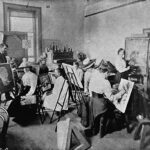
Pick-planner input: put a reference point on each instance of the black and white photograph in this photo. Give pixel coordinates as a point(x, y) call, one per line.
point(75, 75)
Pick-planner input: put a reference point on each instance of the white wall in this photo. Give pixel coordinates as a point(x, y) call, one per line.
point(62, 21)
point(105, 32)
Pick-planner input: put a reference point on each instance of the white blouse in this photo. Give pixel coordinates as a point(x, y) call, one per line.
point(80, 73)
point(100, 85)
point(120, 64)
point(30, 79)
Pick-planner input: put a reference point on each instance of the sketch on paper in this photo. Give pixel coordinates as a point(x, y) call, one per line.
point(6, 78)
point(127, 87)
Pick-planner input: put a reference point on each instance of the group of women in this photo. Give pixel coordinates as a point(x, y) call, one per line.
point(96, 87)
point(99, 95)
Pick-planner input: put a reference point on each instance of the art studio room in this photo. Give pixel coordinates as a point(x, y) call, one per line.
point(74, 75)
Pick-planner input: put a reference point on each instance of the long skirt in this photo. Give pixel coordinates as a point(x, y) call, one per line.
point(92, 107)
point(104, 117)
point(22, 113)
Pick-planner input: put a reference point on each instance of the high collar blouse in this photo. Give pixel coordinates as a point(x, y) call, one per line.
point(120, 64)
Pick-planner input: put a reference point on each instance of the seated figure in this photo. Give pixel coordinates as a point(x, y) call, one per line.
point(60, 89)
point(101, 94)
point(24, 104)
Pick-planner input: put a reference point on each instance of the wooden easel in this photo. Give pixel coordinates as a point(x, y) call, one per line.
point(77, 97)
point(74, 86)
point(58, 103)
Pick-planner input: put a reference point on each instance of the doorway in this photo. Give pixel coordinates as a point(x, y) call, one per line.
point(19, 18)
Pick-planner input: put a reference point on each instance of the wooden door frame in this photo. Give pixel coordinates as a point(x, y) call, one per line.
point(38, 25)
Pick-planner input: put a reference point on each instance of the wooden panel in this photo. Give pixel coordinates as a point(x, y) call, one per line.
point(137, 50)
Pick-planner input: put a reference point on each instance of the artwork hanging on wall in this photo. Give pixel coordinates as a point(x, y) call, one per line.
point(6, 78)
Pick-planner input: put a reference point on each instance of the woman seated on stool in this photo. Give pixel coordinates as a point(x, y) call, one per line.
point(24, 105)
point(50, 101)
point(101, 90)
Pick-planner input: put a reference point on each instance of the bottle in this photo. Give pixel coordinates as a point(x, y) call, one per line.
point(56, 47)
point(64, 49)
point(53, 47)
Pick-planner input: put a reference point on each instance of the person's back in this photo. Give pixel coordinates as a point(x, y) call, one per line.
point(98, 83)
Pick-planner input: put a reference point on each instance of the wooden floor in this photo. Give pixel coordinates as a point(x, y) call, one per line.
point(37, 136)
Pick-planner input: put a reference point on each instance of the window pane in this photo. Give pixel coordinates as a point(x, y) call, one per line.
point(21, 24)
point(21, 14)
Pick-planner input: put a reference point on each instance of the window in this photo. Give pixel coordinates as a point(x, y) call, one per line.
point(19, 18)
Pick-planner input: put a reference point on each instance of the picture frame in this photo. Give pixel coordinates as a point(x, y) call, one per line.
point(46, 82)
point(6, 78)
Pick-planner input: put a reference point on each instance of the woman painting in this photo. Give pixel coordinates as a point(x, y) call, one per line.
point(121, 64)
point(101, 94)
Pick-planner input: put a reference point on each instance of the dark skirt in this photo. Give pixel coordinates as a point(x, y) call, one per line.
point(22, 113)
point(99, 104)
point(92, 107)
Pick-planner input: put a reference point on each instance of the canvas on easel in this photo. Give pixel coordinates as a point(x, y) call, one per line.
point(6, 78)
point(126, 86)
point(45, 82)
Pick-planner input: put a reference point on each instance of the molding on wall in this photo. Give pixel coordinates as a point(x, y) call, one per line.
point(106, 5)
